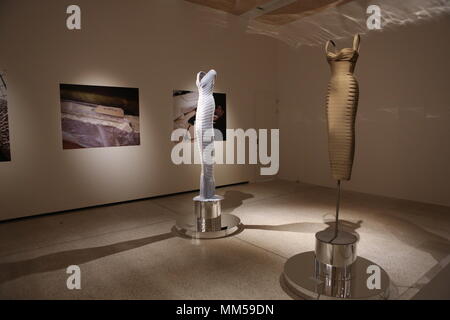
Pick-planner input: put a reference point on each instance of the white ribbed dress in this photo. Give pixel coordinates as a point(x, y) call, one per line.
point(204, 132)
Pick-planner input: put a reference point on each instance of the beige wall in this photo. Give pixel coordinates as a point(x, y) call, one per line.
point(403, 122)
point(157, 46)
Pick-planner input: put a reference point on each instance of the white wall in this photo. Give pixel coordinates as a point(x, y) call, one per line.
point(403, 121)
point(157, 46)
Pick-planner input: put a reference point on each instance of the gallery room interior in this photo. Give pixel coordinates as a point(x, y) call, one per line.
point(206, 149)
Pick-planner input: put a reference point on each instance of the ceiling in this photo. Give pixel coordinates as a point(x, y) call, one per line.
point(274, 12)
point(236, 7)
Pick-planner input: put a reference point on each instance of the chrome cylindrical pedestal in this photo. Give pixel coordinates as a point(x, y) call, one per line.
point(333, 261)
point(208, 215)
point(333, 270)
point(208, 221)
point(335, 254)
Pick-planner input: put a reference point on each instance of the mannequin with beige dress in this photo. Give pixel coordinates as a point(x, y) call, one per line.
point(336, 249)
point(333, 270)
point(342, 103)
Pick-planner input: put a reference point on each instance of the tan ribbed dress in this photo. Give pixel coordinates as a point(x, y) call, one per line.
point(342, 103)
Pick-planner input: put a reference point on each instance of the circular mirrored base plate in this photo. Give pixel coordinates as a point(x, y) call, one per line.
point(230, 224)
point(299, 279)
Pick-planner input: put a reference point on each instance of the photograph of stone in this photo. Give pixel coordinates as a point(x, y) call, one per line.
point(97, 116)
point(5, 150)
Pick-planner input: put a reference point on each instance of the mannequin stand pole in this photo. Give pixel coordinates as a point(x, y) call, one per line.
point(338, 200)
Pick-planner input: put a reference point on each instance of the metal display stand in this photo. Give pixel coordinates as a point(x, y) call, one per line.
point(208, 222)
point(333, 270)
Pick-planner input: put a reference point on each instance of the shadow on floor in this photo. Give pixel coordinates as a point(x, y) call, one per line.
point(300, 227)
point(61, 260)
point(234, 199)
point(309, 227)
point(418, 237)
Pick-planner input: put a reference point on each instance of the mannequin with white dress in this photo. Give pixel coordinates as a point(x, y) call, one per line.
point(204, 132)
point(208, 220)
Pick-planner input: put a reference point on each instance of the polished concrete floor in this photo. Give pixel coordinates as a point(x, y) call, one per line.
point(129, 251)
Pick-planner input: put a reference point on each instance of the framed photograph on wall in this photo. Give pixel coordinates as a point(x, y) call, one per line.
point(97, 116)
point(5, 150)
point(184, 111)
